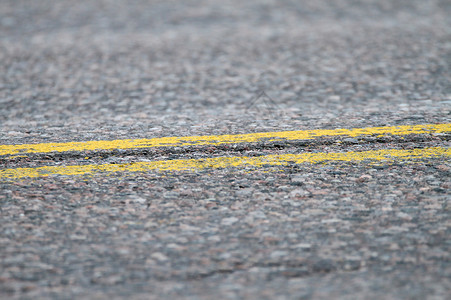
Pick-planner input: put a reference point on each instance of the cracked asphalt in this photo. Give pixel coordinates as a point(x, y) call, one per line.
point(106, 70)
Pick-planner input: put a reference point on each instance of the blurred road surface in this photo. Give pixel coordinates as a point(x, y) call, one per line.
point(129, 86)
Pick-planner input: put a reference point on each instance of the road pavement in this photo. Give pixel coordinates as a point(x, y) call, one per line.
point(176, 119)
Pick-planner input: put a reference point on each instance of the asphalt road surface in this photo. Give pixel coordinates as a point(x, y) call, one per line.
point(225, 149)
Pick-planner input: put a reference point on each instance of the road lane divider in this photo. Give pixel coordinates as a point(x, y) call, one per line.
point(10, 150)
point(229, 162)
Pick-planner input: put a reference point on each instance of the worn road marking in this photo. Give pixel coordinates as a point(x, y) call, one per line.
point(226, 162)
point(221, 139)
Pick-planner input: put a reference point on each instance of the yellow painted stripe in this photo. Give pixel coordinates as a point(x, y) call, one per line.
point(221, 139)
point(226, 162)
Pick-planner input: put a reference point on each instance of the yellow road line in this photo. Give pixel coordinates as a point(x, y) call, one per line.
point(226, 162)
point(220, 139)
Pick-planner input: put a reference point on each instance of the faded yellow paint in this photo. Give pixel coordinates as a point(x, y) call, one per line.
point(228, 162)
point(222, 139)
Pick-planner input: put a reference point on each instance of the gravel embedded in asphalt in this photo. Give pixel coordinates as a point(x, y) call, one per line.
point(266, 232)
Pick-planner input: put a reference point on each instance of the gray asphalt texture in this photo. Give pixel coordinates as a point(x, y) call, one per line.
point(92, 70)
